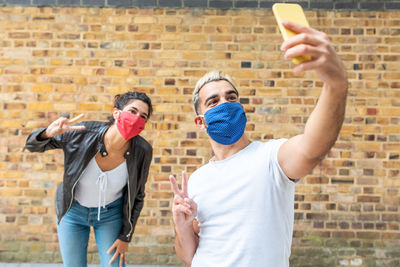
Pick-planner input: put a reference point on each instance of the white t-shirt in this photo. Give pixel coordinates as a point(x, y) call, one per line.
point(245, 209)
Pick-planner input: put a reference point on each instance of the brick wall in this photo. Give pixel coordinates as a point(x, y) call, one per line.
point(364, 5)
point(56, 60)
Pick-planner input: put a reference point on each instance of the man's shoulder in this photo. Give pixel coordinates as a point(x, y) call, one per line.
point(258, 152)
point(255, 148)
point(203, 170)
point(269, 144)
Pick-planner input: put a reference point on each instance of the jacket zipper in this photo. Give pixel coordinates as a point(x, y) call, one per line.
point(129, 209)
point(72, 196)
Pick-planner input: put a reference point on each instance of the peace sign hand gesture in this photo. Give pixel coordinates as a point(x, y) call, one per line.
point(62, 125)
point(184, 209)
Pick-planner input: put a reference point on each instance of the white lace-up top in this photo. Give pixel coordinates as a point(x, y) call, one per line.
point(97, 188)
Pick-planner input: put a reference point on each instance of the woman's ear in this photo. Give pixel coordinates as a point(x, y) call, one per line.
point(200, 122)
point(116, 113)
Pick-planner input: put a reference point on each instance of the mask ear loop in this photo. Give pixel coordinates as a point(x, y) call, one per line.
point(119, 114)
point(203, 119)
point(116, 119)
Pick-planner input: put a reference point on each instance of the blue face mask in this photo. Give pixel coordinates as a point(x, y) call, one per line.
point(226, 122)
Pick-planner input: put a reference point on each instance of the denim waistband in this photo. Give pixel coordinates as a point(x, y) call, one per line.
point(115, 203)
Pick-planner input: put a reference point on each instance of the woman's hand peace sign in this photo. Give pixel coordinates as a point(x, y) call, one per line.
point(62, 125)
point(184, 209)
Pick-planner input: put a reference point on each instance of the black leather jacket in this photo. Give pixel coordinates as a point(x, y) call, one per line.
point(80, 147)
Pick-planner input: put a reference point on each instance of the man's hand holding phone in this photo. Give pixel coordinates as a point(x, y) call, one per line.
point(308, 48)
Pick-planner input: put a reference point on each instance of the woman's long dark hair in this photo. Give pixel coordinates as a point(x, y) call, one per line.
point(121, 100)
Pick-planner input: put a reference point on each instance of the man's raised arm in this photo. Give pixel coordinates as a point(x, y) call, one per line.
point(300, 154)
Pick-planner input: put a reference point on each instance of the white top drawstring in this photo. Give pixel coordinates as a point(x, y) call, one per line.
point(102, 183)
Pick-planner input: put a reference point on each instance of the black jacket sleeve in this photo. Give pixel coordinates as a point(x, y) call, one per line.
point(35, 144)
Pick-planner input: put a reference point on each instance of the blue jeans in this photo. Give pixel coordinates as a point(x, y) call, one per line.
point(74, 228)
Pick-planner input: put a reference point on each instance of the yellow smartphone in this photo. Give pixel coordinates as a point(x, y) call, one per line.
point(293, 13)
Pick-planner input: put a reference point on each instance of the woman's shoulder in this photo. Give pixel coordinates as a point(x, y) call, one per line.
point(91, 128)
point(93, 124)
point(142, 143)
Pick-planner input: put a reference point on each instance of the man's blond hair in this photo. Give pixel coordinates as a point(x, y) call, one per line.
point(211, 76)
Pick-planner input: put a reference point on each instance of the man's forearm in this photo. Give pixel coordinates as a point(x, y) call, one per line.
point(324, 123)
point(186, 243)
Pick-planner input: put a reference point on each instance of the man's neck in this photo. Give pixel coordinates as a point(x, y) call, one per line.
point(222, 152)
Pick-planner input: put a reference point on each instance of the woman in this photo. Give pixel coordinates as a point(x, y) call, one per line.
point(106, 168)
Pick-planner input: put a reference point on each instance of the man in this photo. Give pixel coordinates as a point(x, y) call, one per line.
point(237, 210)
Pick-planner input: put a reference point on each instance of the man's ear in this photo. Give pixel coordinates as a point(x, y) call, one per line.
point(199, 121)
point(115, 113)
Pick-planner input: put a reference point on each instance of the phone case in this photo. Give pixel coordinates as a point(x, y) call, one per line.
point(293, 13)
